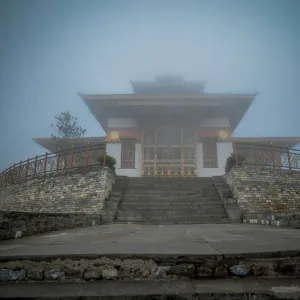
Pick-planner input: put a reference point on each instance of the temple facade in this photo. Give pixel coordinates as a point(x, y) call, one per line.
point(168, 127)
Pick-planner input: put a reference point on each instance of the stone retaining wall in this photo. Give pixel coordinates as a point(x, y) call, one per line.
point(275, 219)
point(120, 268)
point(18, 224)
point(266, 196)
point(82, 190)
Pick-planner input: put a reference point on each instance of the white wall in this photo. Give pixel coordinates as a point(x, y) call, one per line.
point(224, 149)
point(215, 122)
point(114, 149)
point(122, 123)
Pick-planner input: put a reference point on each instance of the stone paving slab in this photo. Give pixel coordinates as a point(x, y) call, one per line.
point(201, 239)
point(277, 289)
point(92, 289)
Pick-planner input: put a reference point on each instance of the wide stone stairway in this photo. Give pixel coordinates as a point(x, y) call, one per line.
point(171, 201)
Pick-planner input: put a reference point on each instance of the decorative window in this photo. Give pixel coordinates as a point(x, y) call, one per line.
point(210, 153)
point(128, 154)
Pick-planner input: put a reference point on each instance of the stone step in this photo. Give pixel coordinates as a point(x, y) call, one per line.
point(158, 198)
point(110, 209)
point(115, 191)
point(163, 215)
point(115, 196)
point(149, 193)
point(169, 192)
point(171, 180)
point(171, 201)
point(161, 178)
point(177, 217)
point(179, 289)
point(161, 185)
point(200, 182)
point(112, 203)
point(174, 221)
point(114, 199)
point(174, 211)
point(183, 210)
point(175, 187)
point(106, 219)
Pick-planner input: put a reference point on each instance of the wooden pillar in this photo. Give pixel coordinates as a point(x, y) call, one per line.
point(57, 159)
point(289, 157)
point(255, 154)
point(45, 162)
point(273, 156)
point(235, 151)
point(142, 152)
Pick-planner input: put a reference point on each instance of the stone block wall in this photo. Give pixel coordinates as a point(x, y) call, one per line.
point(18, 224)
point(266, 194)
point(82, 190)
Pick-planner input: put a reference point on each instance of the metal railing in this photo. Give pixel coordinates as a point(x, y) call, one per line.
point(266, 156)
point(89, 155)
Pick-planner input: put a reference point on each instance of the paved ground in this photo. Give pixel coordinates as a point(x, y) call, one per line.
point(156, 239)
point(276, 289)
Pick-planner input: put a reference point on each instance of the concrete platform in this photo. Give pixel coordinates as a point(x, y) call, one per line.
point(204, 239)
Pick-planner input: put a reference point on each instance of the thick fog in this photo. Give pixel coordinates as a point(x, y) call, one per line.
point(50, 50)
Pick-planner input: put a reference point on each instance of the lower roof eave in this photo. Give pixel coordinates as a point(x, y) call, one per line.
point(276, 141)
point(55, 144)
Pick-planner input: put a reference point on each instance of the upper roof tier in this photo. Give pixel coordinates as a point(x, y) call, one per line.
point(168, 96)
point(168, 85)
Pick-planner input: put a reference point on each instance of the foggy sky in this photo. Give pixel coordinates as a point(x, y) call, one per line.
point(50, 50)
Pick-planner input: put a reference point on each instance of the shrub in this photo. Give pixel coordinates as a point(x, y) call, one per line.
point(231, 162)
point(109, 160)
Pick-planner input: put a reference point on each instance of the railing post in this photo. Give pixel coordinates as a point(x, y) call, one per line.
point(289, 157)
point(71, 158)
point(57, 159)
point(45, 162)
point(235, 152)
point(27, 167)
point(87, 153)
point(104, 158)
point(255, 155)
point(14, 171)
point(273, 156)
point(20, 166)
point(35, 164)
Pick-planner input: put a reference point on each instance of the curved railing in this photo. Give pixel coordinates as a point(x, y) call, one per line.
point(245, 153)
point(267, 155)
point(89, 155)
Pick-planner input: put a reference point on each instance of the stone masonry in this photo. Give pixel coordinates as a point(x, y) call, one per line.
point(66, 199)
point(143, 268)
point(81, 190)
point(18, 224)
point(266, 196)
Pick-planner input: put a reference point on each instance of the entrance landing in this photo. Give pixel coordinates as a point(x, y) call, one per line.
point(201, 239)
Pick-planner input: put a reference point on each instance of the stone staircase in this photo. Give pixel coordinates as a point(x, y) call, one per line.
point(112, 204)
point(171, 201)
point(228, 200)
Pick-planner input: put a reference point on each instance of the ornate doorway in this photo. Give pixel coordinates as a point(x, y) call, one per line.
point(169, 152)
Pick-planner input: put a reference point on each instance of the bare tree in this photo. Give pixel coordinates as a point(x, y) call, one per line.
point(66, 127)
